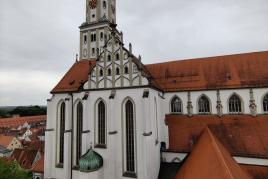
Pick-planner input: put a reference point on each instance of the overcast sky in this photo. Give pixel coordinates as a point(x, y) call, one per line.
point(39, 39)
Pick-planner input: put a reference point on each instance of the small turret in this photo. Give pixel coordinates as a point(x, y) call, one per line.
point(90, 162)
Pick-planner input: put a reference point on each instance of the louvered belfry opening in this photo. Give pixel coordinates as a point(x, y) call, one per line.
point(101, 123)
point(62, 128)
point(79, 131)
point(130, 138)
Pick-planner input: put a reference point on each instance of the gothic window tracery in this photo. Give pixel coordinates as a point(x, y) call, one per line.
point(176, 105)
point(235, 105)
point(203, 105)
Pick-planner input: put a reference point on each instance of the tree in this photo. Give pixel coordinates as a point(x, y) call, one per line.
point(11, 169)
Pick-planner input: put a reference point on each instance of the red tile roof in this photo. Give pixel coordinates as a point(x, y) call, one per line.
point(39, 166)
point(225, 72)
point(242, 135)
point(24, 157)
point(75, 77)
point(210, 160)
point(6, 140)
point(17, 121)
point(257, 172)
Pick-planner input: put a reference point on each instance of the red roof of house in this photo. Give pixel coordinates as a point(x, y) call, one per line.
point(242, 135)
point(225, 72)
point(39, 166)
point(6, 140)
point(24, 157)
point(75, 77)
point(17, 121)
point(210, 160)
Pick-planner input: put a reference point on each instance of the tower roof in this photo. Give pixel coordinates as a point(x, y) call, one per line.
point(90, 162)
point(209, 159)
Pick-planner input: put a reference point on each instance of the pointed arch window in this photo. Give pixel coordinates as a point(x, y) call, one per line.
point(109, 58)
point(61, 133)
point(130, 140)
point(109, 72)
point(126, 70)
point(79, 130)
point(176, 105)
point(104, 4)
point(204, 105)
point(117, 71)
point(235, 105)
point(101, 72)
point(117, 57)
point(265, 103)
point(101, 125)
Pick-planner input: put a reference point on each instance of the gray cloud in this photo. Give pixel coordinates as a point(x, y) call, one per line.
point(39, 39)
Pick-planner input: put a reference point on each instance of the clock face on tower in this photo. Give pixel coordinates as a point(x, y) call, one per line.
point(93, 4)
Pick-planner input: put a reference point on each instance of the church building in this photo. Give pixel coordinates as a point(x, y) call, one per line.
point(113, 117)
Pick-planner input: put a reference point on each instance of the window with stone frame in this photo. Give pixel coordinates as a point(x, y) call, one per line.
point(204, 105)
point(176, 105)
point(101, 125)
point(235, 105)
point(61, 133)
point(265, 103)
point(79, 131)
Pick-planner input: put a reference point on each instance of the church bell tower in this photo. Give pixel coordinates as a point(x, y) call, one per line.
point(96, 31)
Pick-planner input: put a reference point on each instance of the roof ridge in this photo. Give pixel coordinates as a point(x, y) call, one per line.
point(219, 152)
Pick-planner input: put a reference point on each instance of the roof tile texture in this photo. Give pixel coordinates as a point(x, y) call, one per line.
point(231, 71)
point(17, 121)
point(242, 135)
point(210, 160)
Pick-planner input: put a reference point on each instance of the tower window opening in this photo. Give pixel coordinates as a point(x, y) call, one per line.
point(101, 36)
point(95, 38)
point(176, 105)
point(92, 37)
point(104, 4)
point(85, 39)
point(93, 51)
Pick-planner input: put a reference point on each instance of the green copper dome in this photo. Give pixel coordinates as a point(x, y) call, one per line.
point(90, 162)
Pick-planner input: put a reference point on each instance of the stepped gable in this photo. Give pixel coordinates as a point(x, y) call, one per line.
point(223, 72)
point(75, 77)
point(209, 159)
point(242, 135)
